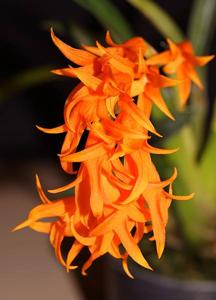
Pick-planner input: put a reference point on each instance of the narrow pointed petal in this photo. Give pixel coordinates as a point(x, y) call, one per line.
point(64, 72)
point(88, 79)
point(109, 223)
point(136, 215)
point(79, 57)
point(67, 186)
point(184, 87)
point(138, 86)
point(43, 227)
point(109, 40)
point(121, 170)
point(141, 180)
point(130, 246)
point(192, 74)
point(155, 95)
point(159, 59)
point(55, 130)
point(97, 195)
point(125, 267)
point(183, 198)
point(93, 50)
point(72, 254)
point(137, 115)
point(173, 48)
point(120, 131)
point(114, 180)
point(155, 150)
point(203, 60)
point(162, 184)
point(110, 105)
point(41, 193)
point(153, 200)
point(84, 240)
point(86, 154)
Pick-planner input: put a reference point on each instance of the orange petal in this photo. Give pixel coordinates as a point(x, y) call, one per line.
point(130, 246)
point(54, 209)
point(174, 197)
point(72, 254)
point(153, 199)
point(155, 150)
point(109, 40)
point(114, 180)
point(120, 131)
point(155, 95)
point(138, 86)
point(173, 48)
point(89, 80)
point(203, 60)
point(70, 73)
point(94, 169)
point(55, 130)
point(109, 223)
point(98, 130)
point(137, 115)
point(87, 154)
point(125, 267)
point(64, 72)
point(136, 215)
point(67, 186)
point(79, 57)
point(82, 196)
point(121, 171)
point(43, 227)
point(184, 87)
point(110, 105)
point(141, 180)
point(159, 59)
point(164, 81)
point(192, 74)
point(162, 184)
point(41, 193)
point(84, 240)
point(93, 50)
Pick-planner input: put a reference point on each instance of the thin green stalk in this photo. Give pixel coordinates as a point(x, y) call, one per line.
point(200, 31)
point(24, 80)
point(159, 18)
point(202, 24)
point(109, 16)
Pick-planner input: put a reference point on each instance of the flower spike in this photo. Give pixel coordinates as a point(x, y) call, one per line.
point(118, 194)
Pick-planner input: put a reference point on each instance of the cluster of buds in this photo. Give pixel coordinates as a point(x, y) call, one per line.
point(119, 196)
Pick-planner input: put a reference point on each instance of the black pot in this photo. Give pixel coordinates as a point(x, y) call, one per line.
point(150, 285)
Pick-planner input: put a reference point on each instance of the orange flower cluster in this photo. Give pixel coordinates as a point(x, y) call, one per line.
point(119, 196)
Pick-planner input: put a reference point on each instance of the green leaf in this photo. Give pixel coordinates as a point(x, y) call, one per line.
point(25, 79)
point(200, 31)
point(109, 16)
point(159, 18)
point(202, 24)
point(198, 215)
point(81, 35)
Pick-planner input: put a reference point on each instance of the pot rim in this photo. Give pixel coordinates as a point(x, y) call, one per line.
point(164, 280)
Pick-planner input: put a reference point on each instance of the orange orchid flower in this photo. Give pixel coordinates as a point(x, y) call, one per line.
point(119, 196)
point(181, 60)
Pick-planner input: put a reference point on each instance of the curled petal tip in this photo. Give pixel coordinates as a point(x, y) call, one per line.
point(21, 226)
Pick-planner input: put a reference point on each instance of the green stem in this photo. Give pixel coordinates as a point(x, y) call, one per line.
point(159, 18)
point(109, 16)
point(25, 79)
